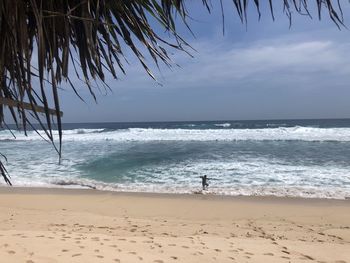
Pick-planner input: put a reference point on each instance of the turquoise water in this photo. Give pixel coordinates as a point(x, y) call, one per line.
point(309, 158)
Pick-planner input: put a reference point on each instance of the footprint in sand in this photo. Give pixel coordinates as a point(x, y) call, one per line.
point(158, 261)
point(76, 255)
point(11, 252)
point(268, 254)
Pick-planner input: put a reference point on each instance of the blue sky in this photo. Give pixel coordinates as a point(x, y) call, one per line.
point(264, 71)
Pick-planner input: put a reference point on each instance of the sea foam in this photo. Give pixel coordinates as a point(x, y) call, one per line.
point(282, 161)
point(150, 134)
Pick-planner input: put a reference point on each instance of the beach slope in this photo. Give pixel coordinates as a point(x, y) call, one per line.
point(62, 225)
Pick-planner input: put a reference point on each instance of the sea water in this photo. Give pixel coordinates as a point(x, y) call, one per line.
point(299, 158)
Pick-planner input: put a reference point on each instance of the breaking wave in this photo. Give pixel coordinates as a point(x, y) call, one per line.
point(150, 134)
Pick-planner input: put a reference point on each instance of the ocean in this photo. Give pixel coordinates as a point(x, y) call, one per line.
point(296, 158)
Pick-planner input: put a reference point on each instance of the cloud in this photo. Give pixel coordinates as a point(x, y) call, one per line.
point(281, 77)
point(281, 61)
point(278, 62)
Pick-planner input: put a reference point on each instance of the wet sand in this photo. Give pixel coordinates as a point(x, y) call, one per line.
point(65, 225)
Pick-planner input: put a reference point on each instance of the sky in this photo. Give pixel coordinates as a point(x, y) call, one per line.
point(264, 70)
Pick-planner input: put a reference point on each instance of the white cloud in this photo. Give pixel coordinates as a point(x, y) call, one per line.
point(274, 62)
point(224, 65)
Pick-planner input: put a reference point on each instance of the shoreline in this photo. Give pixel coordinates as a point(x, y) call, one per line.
point(88, 191)
point(84, 225)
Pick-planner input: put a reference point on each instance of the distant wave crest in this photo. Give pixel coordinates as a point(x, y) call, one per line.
point(296, 133)
point(223, 125)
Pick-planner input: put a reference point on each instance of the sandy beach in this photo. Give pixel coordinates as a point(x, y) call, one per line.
point(64, 225)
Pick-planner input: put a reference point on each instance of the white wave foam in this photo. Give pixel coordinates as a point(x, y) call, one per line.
point(224, 125)
point(242, 190)
point(256, 177)
point(81, 131)
point(32, 135)
point(140, 134)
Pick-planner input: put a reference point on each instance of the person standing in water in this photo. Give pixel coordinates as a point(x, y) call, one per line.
point(204, 182)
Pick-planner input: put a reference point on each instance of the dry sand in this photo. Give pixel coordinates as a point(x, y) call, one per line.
point(56, 225)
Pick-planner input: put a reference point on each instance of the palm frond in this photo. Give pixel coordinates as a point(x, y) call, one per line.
point(41, 39)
